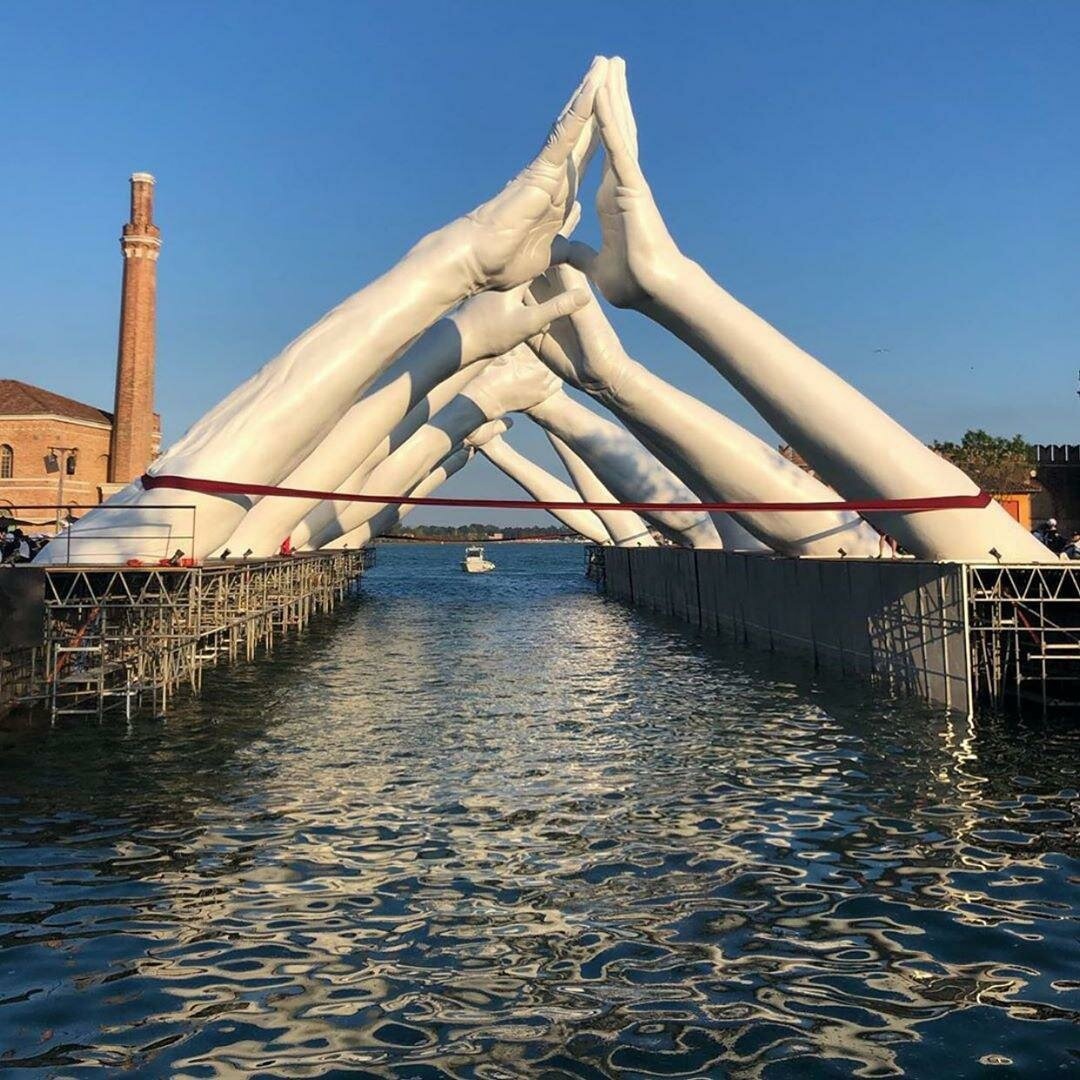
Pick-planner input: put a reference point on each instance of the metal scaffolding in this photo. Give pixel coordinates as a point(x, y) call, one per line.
point(1024, 631)
point(126, 638)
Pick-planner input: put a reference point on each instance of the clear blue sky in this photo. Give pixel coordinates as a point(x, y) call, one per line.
point(898, 176)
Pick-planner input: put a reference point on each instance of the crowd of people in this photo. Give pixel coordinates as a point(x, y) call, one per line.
point(1056, 541)
point(19, 547)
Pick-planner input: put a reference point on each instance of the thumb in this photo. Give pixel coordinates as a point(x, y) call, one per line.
point(487, 431)
point(578, 255)
point(536, 318)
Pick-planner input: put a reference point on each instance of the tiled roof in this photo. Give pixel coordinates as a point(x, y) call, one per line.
point(22, 399)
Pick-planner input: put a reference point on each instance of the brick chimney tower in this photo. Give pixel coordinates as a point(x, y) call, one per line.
point(133, 433)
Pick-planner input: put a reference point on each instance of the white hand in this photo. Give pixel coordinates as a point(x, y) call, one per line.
point(512, 383)
point(494, 322)
point(583, 348)
point(638, 256)
point(508, 240)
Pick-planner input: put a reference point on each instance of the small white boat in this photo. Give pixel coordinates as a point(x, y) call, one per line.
point(474, 561)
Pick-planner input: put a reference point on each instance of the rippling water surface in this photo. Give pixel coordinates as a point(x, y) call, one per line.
point(501, 827)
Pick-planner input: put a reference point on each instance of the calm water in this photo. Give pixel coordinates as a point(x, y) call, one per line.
point(498, 826)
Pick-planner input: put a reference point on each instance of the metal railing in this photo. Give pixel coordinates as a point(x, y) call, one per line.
point(171, 539)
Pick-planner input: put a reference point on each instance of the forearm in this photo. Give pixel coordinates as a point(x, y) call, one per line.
point(367, 433)
point(426, 447)
point(723, 462)
point(718, 458)
point(383, 520)
point(851, 442)
point(544, 487)
point(610, 451)
point(401, 470)
point(625, 527)
point(626, 468)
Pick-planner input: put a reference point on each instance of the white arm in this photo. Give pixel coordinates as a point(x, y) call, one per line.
point(544, 487)
point(504, 385)
point(323, 513)
point(851, 443)
point(438, 364)
point(627, 529)
point(390, 515)
point(626, 469)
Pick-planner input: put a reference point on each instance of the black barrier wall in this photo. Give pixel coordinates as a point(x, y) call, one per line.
point(901, 623)
point(22, 607)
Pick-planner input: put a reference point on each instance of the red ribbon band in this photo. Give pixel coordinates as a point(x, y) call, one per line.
point(227, 487)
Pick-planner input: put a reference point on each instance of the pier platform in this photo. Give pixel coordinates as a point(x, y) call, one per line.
point(84, 640)
point(961, 635)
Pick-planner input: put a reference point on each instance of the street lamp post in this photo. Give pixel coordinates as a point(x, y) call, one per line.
point(62, 455)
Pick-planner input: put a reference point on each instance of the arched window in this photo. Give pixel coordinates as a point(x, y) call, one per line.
point(7, 462)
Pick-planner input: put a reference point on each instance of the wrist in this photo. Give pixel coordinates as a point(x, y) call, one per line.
point(672, 278)
point(543, 411)
point(487, 402)
point(618, 393)
point(471, 328)
point(443, 260)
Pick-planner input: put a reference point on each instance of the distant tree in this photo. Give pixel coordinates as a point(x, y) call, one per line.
point(994, 462)
point(476, 532)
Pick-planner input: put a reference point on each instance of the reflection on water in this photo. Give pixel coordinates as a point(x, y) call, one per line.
point(496, 826)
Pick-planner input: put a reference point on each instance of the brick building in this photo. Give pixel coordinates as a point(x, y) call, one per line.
point(45, 437)
point(54, 449)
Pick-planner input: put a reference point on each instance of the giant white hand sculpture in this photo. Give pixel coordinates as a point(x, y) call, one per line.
point(391, 515)
point(718, 459)
point(628, 470)
point(265, 428)
point(507, 384)
point(544, 487)
point(851, 443)
point(438, 364)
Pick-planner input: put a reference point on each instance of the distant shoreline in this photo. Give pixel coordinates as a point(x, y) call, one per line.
point(481, 540)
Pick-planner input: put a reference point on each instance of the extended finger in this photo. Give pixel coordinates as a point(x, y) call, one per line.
point(570, 277)
point(584, 148)
point(578, 255)
point(490, 430)
point(571, 122)
point(623, 163)
point(621, 98)
point(536, 318)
